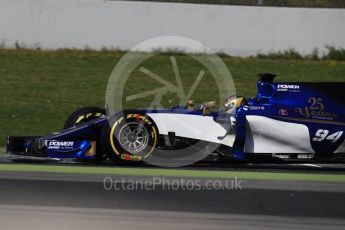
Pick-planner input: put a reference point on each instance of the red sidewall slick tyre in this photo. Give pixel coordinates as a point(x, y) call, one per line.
point(129, 139)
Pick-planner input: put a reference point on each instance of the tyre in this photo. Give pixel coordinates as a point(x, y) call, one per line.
point(83, 115)
point(130, 138)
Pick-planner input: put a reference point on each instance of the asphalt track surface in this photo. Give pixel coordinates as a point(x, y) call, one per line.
point(266, 167)
point(81, 201)
point(41, 200)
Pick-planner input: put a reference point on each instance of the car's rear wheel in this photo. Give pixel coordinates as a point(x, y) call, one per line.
point(129, 139)
point(81, 116)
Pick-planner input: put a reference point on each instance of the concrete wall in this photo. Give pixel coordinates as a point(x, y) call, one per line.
point(238, 30)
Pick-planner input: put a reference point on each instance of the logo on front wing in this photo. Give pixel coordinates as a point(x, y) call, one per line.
point(60, 144)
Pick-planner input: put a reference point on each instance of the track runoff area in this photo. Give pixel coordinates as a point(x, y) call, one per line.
point(263, 196)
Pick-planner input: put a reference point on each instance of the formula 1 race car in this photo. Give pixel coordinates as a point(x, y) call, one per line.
point(288, 121)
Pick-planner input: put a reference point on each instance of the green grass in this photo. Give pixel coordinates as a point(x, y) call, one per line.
point(39, 89)
point(175, 173)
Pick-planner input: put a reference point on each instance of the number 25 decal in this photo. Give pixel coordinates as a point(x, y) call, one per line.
point(323, 134)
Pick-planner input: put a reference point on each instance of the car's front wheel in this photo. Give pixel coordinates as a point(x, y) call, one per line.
point(130, 138)
point(81, 116)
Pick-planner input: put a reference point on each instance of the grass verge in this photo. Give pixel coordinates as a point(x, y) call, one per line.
point(175, 173)
point(39, 89)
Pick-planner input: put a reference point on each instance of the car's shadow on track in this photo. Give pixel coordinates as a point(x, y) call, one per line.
point(267, 165)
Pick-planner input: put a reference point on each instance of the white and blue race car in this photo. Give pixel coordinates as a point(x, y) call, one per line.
point(296, 121)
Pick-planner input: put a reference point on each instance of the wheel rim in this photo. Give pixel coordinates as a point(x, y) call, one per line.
point(133, 137)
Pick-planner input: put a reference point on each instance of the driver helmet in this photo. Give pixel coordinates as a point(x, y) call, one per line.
point(232, 103)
